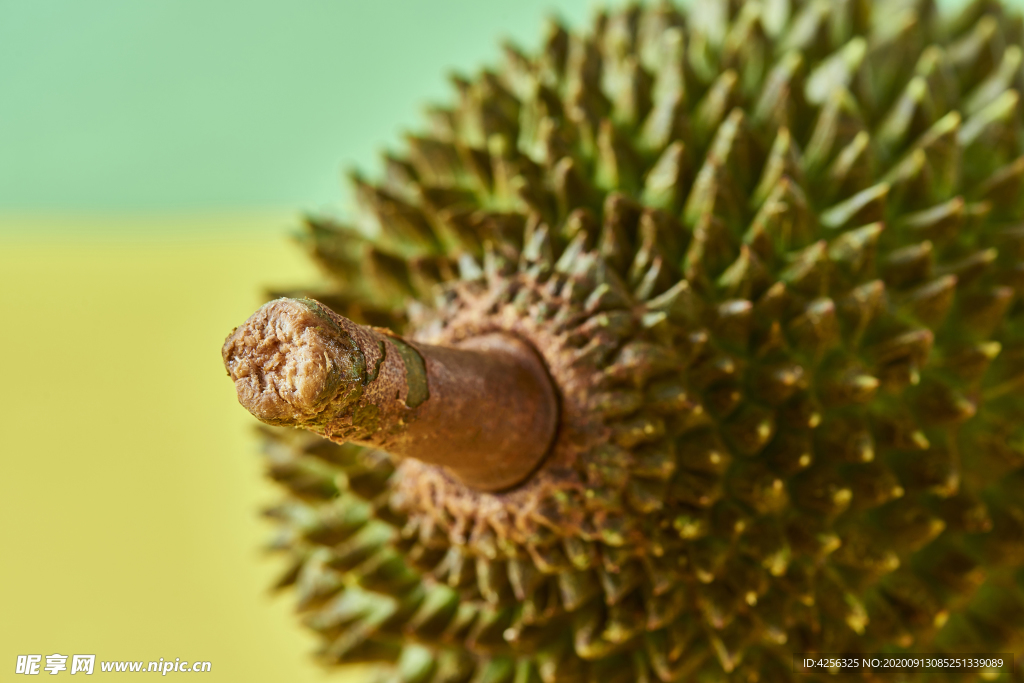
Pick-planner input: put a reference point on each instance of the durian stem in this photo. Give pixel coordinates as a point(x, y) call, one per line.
point(486, 410)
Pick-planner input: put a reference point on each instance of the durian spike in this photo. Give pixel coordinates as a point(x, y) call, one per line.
point(485, 410)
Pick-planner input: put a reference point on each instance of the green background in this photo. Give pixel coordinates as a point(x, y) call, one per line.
point(153, 155)
point(114, 105)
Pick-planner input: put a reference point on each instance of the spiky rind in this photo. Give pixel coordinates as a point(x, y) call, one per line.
point(771, 255)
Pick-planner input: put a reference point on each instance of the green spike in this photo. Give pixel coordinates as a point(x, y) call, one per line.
point(808, 30)
point(851, 171)
point(665, 182)
point(781, 100)
point(984, 311)
point(630, 92)
point(854, 251)
point(435, 161)
point(1001, 79)
point(711, 110)
point(911, 114)
point(816, 329)
point(710, 251)
point(577, 588)
point(732, 322)
point(809, 270)
point(402, 227)
point(835, 71)
point(848, 385)
point(745, 278)
point(867, 206)
point(934, 67)
point(784, 222)
point(783, 161)
point(942, 156)
point(538, 247)
point(972, 55)
point(937, 223)
point(930, 302)
point(971, 362)
point(987, 135)
point(621, 219)
point(899, 359)
point(749, 430)
point(617, 166)
point(669, 94)
point(1003, 188)
point(908, 265)
point(823, 491)
point(839, 121)
point(846, 439)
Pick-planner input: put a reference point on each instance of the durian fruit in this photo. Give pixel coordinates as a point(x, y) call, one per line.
point(770, 255)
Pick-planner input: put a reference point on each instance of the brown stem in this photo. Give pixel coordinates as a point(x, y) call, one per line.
point(486, 409)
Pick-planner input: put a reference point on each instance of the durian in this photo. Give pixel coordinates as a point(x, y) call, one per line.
point(741, 281)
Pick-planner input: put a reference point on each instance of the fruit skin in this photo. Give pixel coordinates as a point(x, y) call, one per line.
point(771, 254)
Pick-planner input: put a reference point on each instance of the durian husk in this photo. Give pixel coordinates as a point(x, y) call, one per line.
point(771, 253)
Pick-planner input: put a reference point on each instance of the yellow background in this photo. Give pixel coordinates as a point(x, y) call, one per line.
point(131, 482)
